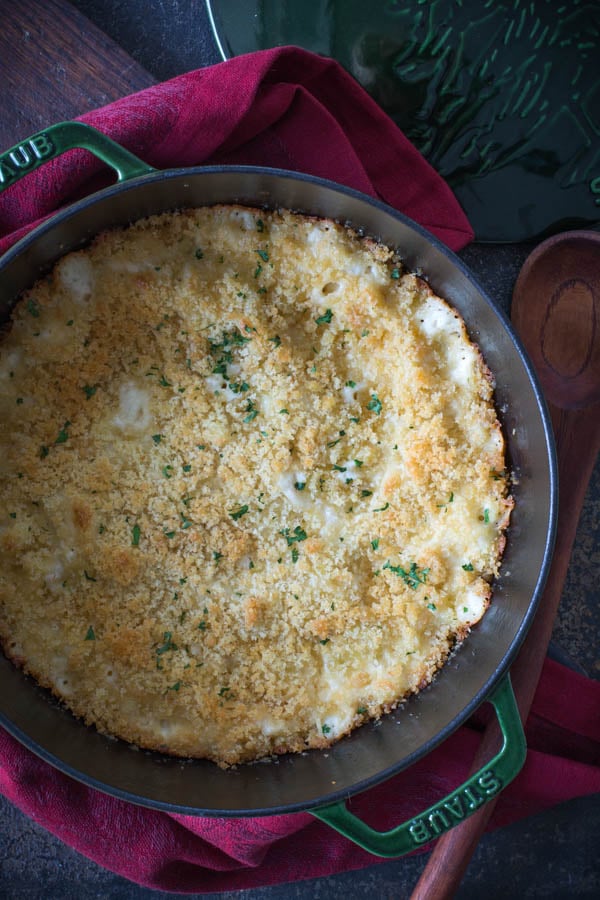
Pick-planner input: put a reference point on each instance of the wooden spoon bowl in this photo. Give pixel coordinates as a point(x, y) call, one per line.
point(556, 311)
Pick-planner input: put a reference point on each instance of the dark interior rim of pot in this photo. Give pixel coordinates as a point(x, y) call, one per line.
point(377, 750)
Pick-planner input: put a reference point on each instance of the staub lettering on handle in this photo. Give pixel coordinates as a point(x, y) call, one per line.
point(25, 156)
point(454, 810)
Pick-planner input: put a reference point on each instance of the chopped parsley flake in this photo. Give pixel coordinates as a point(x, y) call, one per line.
point(375, 404)
point(166, 646)
point(157, 438)
point(224, 691)
point(276, 340)
point(361, 711)
point(187, 467)
point(381, 508)
point(238, 513)
point(33, 309)
point(358, 462)
point(486, 516)
point(299, 485)
point(298, 535)
point(432, 607)
point(63, 434)
point(413, 577)
point(325, 319)
point(375, 543)
point(217, 556)
point(350, 384)
point(199, 254)
point(260, 225)
point(395, 274)
point(365, 493)
point(90, 635)
point(169, 534)
point(258, 270)
point(324, 641)
point(251, 411)
point(135, 536)
point(175, 687)
point(89, 390)
point(325, 729)
point(167, 470)
point(263, 255)
point(284, 412)
point(468, 567)
point(295, 554)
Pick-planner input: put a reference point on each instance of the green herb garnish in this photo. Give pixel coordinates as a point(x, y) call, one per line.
point(298, 535)
point(238, 513)
point(63, 434)
point(325, 319)
point(251, 411)
point(375, 404)
point(413, 577)
point(135, 535)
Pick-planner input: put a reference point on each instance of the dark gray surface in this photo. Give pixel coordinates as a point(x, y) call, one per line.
point(552, 855)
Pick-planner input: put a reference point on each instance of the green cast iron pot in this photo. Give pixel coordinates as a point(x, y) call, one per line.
point(317, 781)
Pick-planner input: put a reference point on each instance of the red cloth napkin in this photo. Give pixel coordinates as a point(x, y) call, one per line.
point(285, 108)
point(290, 109)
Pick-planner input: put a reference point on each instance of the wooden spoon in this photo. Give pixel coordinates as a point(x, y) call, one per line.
point(556, 312)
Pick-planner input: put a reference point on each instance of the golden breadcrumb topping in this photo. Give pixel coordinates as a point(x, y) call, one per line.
point(252, 482)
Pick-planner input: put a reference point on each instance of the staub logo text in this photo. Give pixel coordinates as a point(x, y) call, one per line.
point(451, 812)
point(25, 156)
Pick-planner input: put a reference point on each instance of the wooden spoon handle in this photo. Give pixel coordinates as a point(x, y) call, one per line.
point(574, 429)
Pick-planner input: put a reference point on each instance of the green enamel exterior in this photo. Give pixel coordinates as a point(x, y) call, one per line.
point(453, 809)
point(502, 97)
point(33, 152)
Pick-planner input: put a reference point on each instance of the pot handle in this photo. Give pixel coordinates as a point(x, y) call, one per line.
point(451, 810)
point(57, 139)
